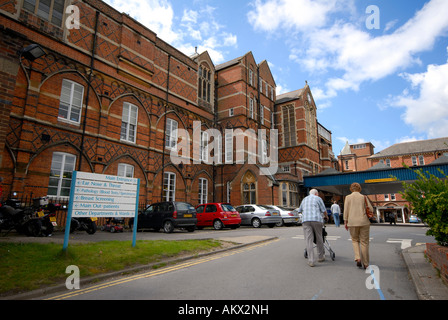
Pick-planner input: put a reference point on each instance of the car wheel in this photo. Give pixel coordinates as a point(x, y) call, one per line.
point(256, 223)
point(168, 226)
point(279, 224)
point(217, 224)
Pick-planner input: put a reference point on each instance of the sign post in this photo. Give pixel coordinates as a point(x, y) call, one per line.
point(98, 195)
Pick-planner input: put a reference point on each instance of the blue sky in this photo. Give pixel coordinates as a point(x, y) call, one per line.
point(382, 82)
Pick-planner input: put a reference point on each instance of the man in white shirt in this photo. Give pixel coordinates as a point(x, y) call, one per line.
point(314, 212)
point(336, 211)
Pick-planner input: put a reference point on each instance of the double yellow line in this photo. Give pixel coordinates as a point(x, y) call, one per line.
point(157, 272)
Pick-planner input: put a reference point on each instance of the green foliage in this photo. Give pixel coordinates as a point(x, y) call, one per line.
point(428, 196)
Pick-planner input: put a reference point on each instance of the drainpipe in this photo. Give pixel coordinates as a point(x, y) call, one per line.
point(92, 60)
point(164, 125)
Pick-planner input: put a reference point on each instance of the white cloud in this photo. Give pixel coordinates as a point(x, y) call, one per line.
point(157, 15)
point(347, 48)
point(427, 110)
point(272, 15)
point(195, 28)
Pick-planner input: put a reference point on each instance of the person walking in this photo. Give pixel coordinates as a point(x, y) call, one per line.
point(314, 213)
point(356, 221)
point(336, 210)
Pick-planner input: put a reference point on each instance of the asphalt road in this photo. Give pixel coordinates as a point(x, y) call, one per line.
point(274, 270)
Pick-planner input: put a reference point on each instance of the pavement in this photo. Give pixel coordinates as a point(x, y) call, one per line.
point(428, 284)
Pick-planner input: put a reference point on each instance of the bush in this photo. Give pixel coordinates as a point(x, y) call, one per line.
point(428, 196)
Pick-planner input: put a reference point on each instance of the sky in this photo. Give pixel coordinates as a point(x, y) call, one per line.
point(377, 69)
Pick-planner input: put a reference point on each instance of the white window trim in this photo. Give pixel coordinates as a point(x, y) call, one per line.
point(251, 108)
point(169, 188)
point(171, 134)
point(61, 176)
point(73, 84)
point(204, 147)
point(229, 146)
point(124, 169)
point(203, 190)
point(128, 123)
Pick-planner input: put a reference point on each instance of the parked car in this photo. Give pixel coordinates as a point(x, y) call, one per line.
point(300, 221)
point(218, 216)
point(257, 215)
point(168, 215)
point(414, 219)
point(290, 217)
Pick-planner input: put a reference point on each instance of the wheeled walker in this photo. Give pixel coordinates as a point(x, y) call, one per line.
point(326, 245)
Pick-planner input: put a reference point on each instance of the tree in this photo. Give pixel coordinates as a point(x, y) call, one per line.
point(428, 196)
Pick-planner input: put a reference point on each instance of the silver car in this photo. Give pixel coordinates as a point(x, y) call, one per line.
point(257, 215)
point(290, 217)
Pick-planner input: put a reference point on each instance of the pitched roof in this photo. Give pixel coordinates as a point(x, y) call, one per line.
point(293, 95)
point(414, 147)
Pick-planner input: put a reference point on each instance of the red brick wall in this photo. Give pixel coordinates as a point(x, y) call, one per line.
point(438, 256)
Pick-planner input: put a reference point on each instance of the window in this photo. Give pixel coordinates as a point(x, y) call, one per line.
point(125, 170)
point(346, 165)
point(386, 197)
point(262, 114)
point(249, 193)
point(171, 133)
point(286, 168)
point(62, 167)
point(203, 190)
point(290, 194)
point(388, 162)
point(169, 186)
point(229, 147)
point(204, 85)
point(251, 77)
point(231, 112)
point(393, 197)
point(260, 85)
point(129, 122)
point(421, 160)
point(414, 160)
point(264, 151)
point(50, 10)
point(70, 104)
point(204, 147)
point(284, 194)
point(251, 108)
point(289, 126)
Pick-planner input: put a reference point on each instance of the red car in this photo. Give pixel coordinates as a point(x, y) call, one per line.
point(217, 215)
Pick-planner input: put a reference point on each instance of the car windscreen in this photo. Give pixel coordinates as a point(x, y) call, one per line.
point(265, 207)
point(227, 207)
point(183, 206)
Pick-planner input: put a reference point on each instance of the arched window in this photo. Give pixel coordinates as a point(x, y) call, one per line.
point(204, 84)
point(249, 188)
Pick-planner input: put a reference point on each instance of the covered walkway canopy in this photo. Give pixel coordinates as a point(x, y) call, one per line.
point(379, 179)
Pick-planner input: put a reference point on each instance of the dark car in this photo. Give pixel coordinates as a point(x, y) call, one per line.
point(168, 215)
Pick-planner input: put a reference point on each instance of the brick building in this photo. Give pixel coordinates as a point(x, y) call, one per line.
point(108, 96)
point(361, 156)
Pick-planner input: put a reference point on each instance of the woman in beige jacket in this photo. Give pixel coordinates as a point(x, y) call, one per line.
point(355, 220)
